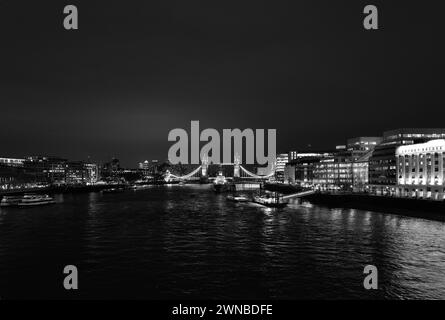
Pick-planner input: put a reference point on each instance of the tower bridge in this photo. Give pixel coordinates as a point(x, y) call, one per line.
point(204, 171)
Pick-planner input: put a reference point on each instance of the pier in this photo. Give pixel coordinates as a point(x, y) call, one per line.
point(299, 194)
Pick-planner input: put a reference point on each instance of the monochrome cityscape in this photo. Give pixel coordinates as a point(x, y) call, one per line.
point(327, 182)
point(368, 184)
point(406, 163)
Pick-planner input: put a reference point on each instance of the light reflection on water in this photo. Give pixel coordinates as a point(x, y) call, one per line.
point(188, 242)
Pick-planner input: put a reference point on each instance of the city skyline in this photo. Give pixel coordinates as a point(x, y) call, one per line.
point(309, 148)
point(131, 74)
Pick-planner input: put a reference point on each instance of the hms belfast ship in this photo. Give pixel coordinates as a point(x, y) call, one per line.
point(221, 184)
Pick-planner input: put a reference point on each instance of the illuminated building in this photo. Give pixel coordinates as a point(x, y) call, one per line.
point(145, 166)
point(111, 170)
point(360, 174)
point(92, 172)
point(341, 173)
point(78, 172)
point(292, 155)
point(363, 144)
point(347, 168)
point(289, 173)
point(333, 174)
point(12, 162)
point(154, 166)
point(60, 171)
point(414, 134)
point(45, 169)
point(33, 169)
point(420, 170)
point(10, 171)
point(281, 159)
point(300, 170)
point(112, 167)
point(359, 151)
point(8, 175)
point(382, 163)
point(75, 172)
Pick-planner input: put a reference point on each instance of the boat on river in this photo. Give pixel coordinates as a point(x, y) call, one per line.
point(30, 200)
point(237, 198)
point(113, 190)
point(221, 184)
point(274, 201)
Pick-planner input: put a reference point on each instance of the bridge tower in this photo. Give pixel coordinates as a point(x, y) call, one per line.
point(236, 169)
point(204, 165)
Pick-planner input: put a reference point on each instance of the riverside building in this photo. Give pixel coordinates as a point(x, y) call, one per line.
point(420, 170)
point(12, 162)
point(43, 170)
point(347, 170)
point(300, 169)
point(383, 164)
point(281, 160)
point(10, 171)
point(292, 155)
point(333, 174)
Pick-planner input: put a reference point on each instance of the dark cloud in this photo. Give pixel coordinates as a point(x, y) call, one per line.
point(136, 69)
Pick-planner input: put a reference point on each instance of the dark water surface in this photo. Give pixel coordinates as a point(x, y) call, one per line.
point(187, 242)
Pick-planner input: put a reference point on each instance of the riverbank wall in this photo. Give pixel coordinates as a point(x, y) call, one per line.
point(428, 209)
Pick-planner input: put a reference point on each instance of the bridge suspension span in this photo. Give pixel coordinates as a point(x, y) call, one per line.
point(252, 175)
point(194, 173)
point(202, 171)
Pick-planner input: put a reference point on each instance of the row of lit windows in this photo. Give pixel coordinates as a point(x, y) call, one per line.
point(10, 160)
point(422, 150)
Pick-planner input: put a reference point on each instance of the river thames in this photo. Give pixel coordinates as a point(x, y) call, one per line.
point(186, 242)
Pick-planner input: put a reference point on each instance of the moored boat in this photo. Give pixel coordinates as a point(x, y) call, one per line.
point(270, 201)
point(113, 190)
point(140, 187)
point(237, 198)
point(29, 200)
point(222, 185)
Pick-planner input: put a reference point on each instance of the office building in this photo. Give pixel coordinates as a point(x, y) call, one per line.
point(333, 174)
point(45, 169)
point(420, 170)
point(363, 144)
point(300, 170)
point(92, 172)
point(145, 166)
point(292, 155)
point(382, 163)
point(347, 169)
point(281, 160)
point(12, 162)
point(75, 172)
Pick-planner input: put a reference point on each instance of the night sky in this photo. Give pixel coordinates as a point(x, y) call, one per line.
point(137, 69)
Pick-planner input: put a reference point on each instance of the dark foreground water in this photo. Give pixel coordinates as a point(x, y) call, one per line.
point(186, 242)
